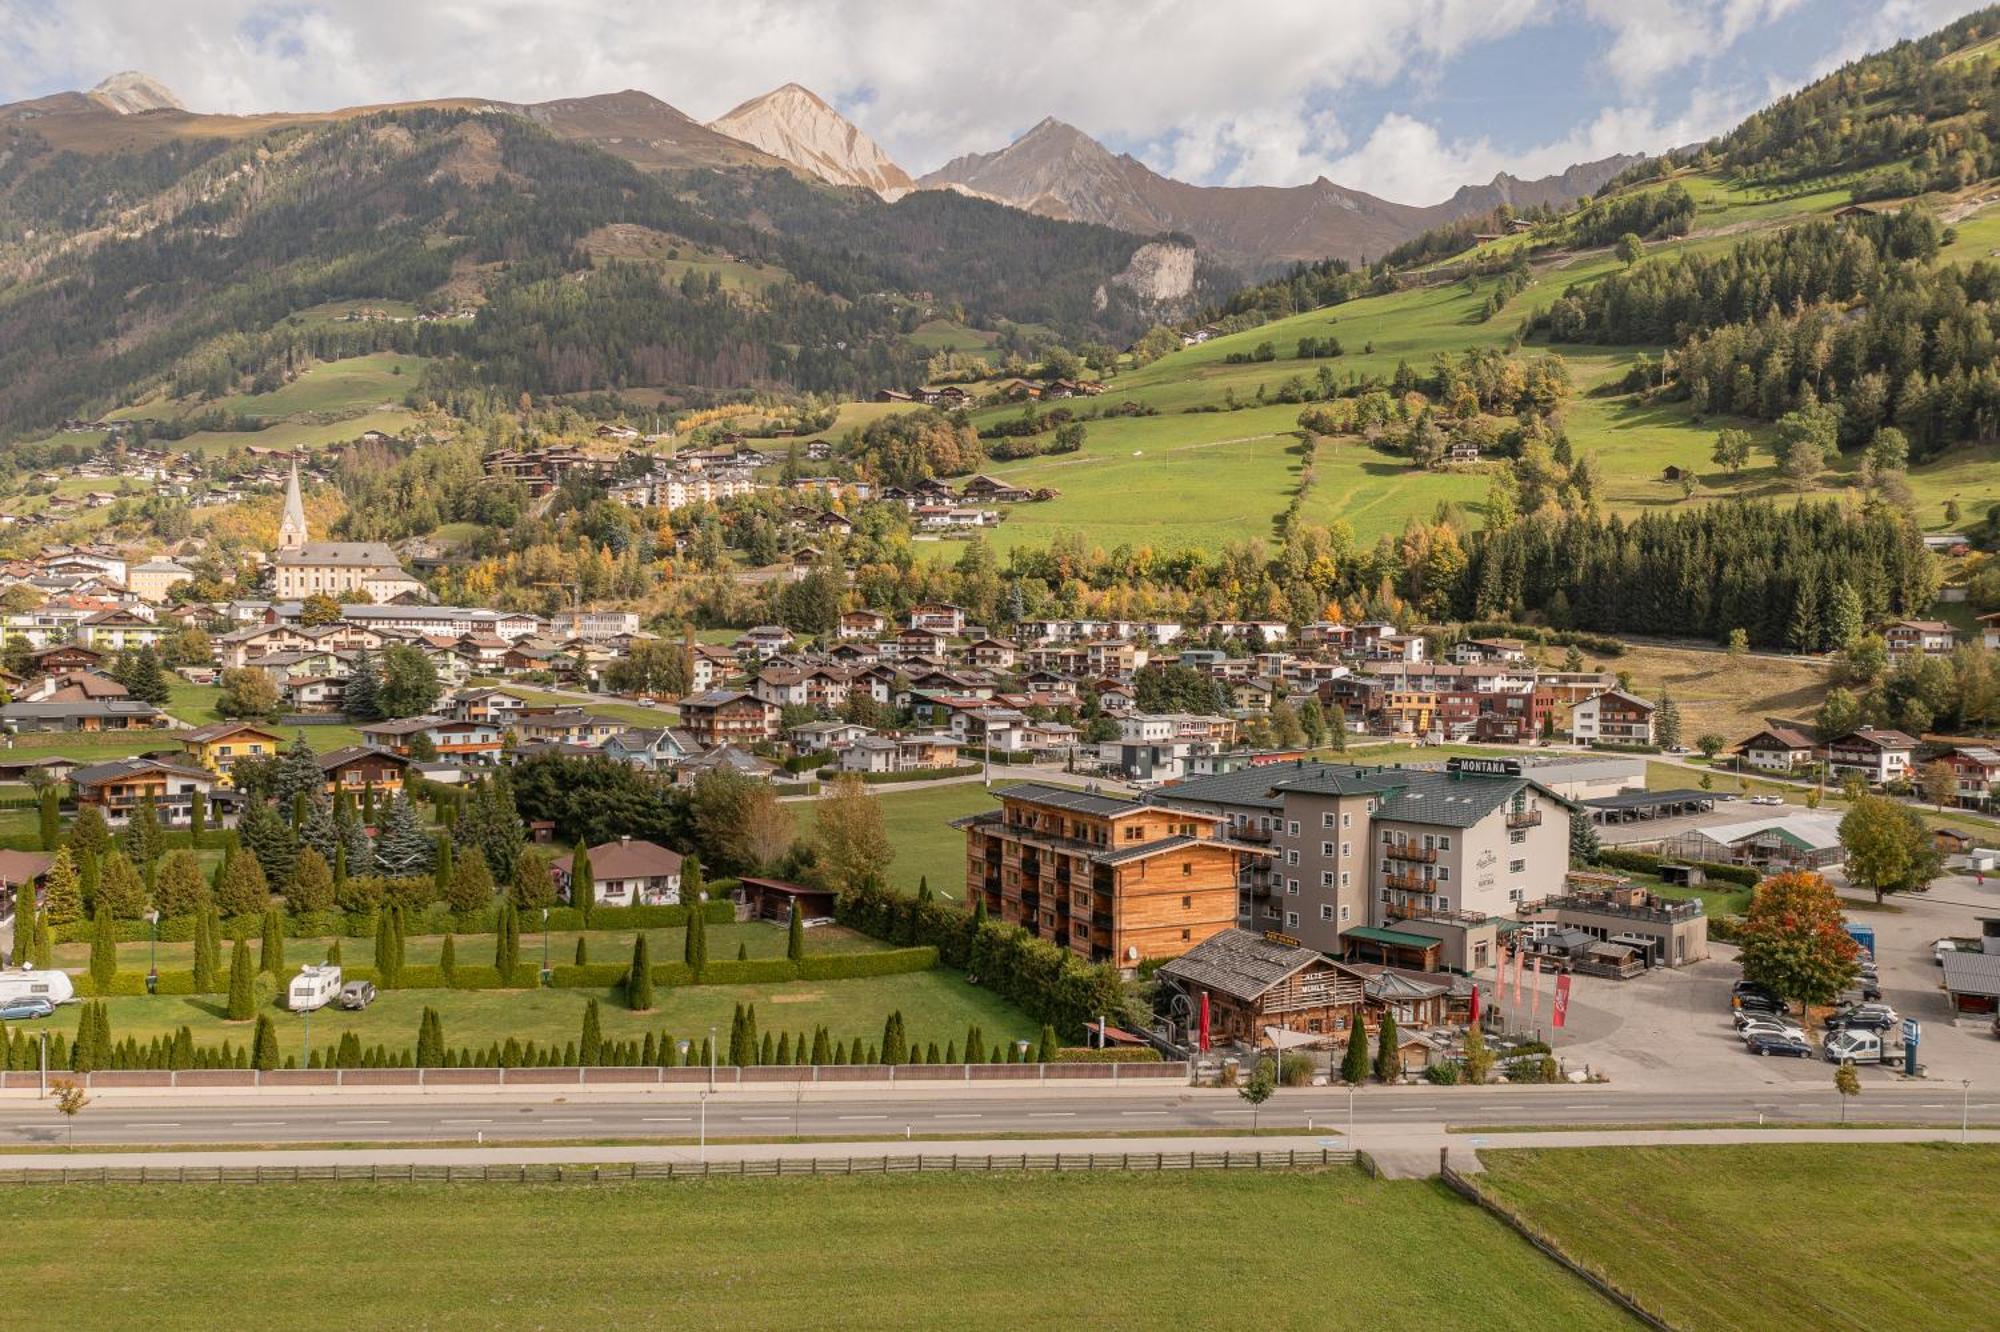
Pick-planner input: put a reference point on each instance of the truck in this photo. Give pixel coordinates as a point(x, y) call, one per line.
point(27, 982)
point(1863, 935)
point(1861, 1047)
point(313, 987)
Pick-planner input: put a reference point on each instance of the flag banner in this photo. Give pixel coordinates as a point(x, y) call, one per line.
point(1562, 998)
point(1535, 989)
point(1520, 960)
point(1204, 1021)
point(1475, 1003)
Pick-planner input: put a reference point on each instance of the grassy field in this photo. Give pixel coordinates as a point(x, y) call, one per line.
point(1730, 699)
point(301, 434)
point(1775, 1237)
point(959, 1251)
point(336, 386)
point(925, 846)
point(936, 1006)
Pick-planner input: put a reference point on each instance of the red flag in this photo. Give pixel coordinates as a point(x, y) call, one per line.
point(1562, 998)
point(1475, 1005)
point(1520, 959)
point(1204, 1021)
point(1535, 989)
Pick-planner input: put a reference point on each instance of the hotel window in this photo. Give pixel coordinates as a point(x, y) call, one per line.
point(1516, 837)
point(1291, 887)
point(1187, 867)
point(1292, 857)
point(1187, 903)
point(1186, 935)
point(1326, 912)
point(1292, 828)
point(1326, 819)
point(1444, 904)
point(1344, 878)
point(1443, 873)
point(1347, 820)
point(1444, 843)
point(1517, 866)
point(1343, 913)
point(1326, 878)
point(1346, 850)
point(1326, 849)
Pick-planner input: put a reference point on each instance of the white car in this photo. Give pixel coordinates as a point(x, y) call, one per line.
point(1767, 800)
point(1789, 1030)
point(1940, 947)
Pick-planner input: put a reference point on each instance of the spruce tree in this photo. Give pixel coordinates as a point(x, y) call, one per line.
point(639, 978)
point(271, 948)
point(404, 848)
point(264, 1045)
point(1388, 1067)
point(266, 836)
point(1354, 1067)
point(795, 936)
point(361, 701)
point(244, 891)
point(120, 889)
point(591, 1048)
point(144, 840)
point(311, 889)
point(103, 949)
point(51, 818)
point(448, 961)
point(242, 992)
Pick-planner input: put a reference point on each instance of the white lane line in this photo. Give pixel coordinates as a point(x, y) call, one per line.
point(164, 1123)
point(668, 1119)
point(954, 1116)
point(861, 1116)
point(1932, 1105)
point(1412, 1109)
point(465, 1121)
point(569, 1119)
point(767, 1119)
point(1052, 1114)
point(1161, 1113)
point(256, 1123)
point(1580, 1105)
point(360, 1123)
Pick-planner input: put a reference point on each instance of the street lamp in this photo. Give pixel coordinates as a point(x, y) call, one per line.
point(153, 965)
point(711, 1058)
point(545, 948)
point(1965, 1110)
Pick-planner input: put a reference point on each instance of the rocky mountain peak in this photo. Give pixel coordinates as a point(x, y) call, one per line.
point(797, 125)
point(130, 92)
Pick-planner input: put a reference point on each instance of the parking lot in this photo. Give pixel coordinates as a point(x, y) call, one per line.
point(1671, 1029)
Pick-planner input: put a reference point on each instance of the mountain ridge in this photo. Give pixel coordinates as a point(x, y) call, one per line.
point(797, 125)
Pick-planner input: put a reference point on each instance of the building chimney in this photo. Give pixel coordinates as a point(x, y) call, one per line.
point(624, 839)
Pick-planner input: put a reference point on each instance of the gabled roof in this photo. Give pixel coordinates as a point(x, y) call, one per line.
point(339, 758)
point(202, 735)
point(118, 769)
point(1241, 965)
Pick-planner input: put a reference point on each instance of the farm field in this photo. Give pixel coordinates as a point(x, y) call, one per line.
point(1906, 1239)
point(300, 434)
point(925, 846)
point(335, 386)
point(1728, 698)
point(895, 1252)
point(937, 1006)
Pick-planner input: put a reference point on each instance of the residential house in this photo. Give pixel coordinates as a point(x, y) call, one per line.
point(654, 749)
point(1880, 755)
point(84, 714)
point(726, 716)
point(863, 624)
point(627, 872)
point(1927, 638)
point(1776, 748)
point(459, 740)
point(118, 788)
point(1977, 772)
point(358, 769)
point(1250, 984)
point(938, 617)
point(1612, 717)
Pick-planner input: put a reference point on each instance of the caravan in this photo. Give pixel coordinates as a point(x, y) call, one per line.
point(28, 983)
point(313, 987)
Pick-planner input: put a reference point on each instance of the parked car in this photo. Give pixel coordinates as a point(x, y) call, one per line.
point(1767, 800)
point(1744, 1017)
point(1790, 1031)
point(27, 1008)
point(1867, 1010)
point(1874, 1022)
point(357, 994)
point(1786, 1046)
point(1861, 1047)
point(1756, 1005)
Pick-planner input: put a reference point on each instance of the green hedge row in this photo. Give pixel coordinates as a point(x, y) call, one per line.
point(1111, 1054)
point(434, 919)
point(918, 775)
point(1614, 747)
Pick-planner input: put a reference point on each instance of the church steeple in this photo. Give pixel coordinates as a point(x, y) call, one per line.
point(292, 533)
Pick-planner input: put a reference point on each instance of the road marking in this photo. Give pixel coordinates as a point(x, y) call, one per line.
point(767, 1119)
point(465, 1121)
point(1932, 1105)
point(1580, 1105)
point(256, 1123)
point(1144, 1112)
point(668, 1119)
point(1412, 1109)
point(1052, 1114)
point(954, 1116)
point(861, 1116)
point(570, 1119)
point(359, 1123)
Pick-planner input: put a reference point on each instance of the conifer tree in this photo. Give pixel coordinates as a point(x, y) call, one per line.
point(270, 839)
point(448, 961)
point(271, 948)
point(692, 886)
point(430, 1039)
point(532, 886)
point(750, 1032)
point(743, 952)
point(243, 890)
point(591, 1048)
point(639, 979)
point(697, 941)
point(120, 889)
point(471, 885)
point(795, 936)
point(242, 993)
point(179, 889)
point(88, 831)
point(264, 1045)
point(88, 870)
point(362, 702)
point(1046, 1054)
point(205, 958)
point(821, 1053)
point(582, 884)
point(441, 865)
point(197, 816)
point(103, 949)
point(404, 848)
point(1388, 1066)
point(582, 949)
point(311, 889)
point(507, 943)
point(50, 818)
point(894, 1049)
point(144, 840)
point(1354, 1067)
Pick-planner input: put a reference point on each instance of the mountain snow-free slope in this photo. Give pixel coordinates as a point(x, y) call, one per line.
point(794, 124)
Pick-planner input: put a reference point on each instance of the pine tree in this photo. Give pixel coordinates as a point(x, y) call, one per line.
point(243, 891)
point(1388, 1064)
point(471, 885)
point(361, 701)
point(1354, 1068)
point(582, 885)
point(103, 949)
point(62, 889)
point(242, 992)
point(120, 889)
point(271, 948)
point(795, 937)
point(1667, 722)
point(448, 961)
point(270, 839)
point(697, 940)
point(639, 979)
point(403, 847)
point(591, 1048)
point(144, 840)
point(264, 1045)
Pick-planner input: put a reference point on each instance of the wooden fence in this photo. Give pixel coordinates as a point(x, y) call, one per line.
point(978, 1163)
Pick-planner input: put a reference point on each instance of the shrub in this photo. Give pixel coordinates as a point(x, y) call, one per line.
point(853, 966)
point(1295, 1070)
point(1110, 1054)
point(1444, 1073)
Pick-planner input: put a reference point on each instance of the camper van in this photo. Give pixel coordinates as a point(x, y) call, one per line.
point(313, 987)
point(27, 982)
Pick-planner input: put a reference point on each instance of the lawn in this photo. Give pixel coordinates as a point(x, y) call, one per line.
point(301, 434)
point(336, 386)
point(926, 847)
point(1731, 699)
point(1775, 1237)
point(959, 1251)
point(936, 1005)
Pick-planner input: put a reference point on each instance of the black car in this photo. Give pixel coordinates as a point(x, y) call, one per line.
point(1778, 1045)
point(1743, 987)
point(1875, 1022)
point(1759, 1003)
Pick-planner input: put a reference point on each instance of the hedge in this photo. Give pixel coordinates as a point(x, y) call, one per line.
point(1110, 1054)
point(433, 919)
point(1596, 644)
point(1614, 747)
point(130, 983)
point(916, 775)
point(753, 971)
point(855, 966)
point(1645, 862)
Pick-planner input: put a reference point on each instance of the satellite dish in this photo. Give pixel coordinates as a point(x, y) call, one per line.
point(1132, 953)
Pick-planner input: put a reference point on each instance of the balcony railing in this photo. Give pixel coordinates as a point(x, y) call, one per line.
point(1411, 883)
point(1524, 818)
point(1423, 855)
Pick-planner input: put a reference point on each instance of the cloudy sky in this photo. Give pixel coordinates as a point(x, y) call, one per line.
point(1404, 98)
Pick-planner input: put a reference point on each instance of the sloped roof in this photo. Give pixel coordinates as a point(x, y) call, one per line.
point(1240, 964)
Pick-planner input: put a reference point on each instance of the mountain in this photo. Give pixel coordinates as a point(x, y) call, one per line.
point(1059, 171)
point(643, 130)
point(131, 92)
point(794, 124)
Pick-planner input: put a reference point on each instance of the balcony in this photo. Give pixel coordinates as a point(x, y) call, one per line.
point(1422, 855)
point(1410, 883)
point(1524, 818)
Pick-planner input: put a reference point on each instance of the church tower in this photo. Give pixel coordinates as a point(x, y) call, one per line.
point(292, 533)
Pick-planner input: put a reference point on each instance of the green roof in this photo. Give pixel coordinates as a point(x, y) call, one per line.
point(1399, 938)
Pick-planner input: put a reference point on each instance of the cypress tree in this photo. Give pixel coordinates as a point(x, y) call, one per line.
point(1047, 1053)
point(692, 887)
point(649, 1055)
point(582, 951)
point(784, 1047)
point(507, 943)
point(1354, 1067)
point(243, 891)
point(119, 887)
point(271, 949)
point(1387, 1066)
point(88, 873)
point(978, 913)
point(242, 994)
point(707, 1050)
point(765, 1050)
point(750, 1032)
point(442, 867)
point(743, 952)
point(51, 818)
point(448, 962)
point(582, 884)
point(736, 1036)
point(264, 1045)
point(197, 816)
point(26, 921)
point(975, 1045)
point(670, 1051)
point(591, 1048)
point(62, 889)
point(856, 1053)
point(821, 1053)
point(639, 980)
point(951, 1052)
point(697, 941)
point(894, 1050)
point(103, 949)
point(795, 938)
point(396, 941)
point(204, 954)
point(382, 947)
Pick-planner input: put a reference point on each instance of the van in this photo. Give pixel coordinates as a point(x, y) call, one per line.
point(1859, 1047)
point(313, 987)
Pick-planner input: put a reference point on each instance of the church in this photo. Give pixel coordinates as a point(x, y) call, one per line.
point(305, 567)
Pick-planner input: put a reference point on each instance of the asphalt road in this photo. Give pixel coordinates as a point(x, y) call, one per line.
point(452, 1118)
